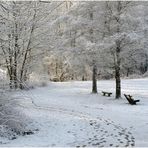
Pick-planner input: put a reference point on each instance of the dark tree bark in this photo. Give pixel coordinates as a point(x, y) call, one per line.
point(118, 83)
point(128, 71)
point(94, 79)
point(83, 78)
point(23, 71)
point(117, 53)
point(15, 65)
point(15, 75)
point(16, 52)
point(117, 70)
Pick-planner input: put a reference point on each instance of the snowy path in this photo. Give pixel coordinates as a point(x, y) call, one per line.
point(66, 114)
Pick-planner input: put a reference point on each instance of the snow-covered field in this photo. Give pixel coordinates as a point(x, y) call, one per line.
point(67, 114)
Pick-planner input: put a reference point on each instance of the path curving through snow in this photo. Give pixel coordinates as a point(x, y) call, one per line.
point(86, 130)
point(66, 114)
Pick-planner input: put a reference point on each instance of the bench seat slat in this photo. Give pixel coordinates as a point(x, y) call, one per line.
point(106, 93)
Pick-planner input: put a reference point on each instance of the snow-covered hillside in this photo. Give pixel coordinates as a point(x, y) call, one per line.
point(67, 114)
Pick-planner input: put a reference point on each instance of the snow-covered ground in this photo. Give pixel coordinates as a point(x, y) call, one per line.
point(67, 114)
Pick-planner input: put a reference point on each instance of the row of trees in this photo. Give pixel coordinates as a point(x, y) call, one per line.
point(22, 38)
point(74, 39)
point(108, 35)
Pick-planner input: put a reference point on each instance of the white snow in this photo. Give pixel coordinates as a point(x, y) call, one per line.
point(2, 74)
point(67, 114)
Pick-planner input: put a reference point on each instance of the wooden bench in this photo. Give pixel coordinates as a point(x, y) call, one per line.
point(131, 100)
point(106, 93)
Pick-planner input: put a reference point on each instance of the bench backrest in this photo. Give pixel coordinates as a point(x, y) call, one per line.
point(130, 100)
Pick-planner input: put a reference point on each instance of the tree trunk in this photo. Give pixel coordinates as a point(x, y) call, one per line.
point(15, 72)
point(118, 82)
point(94, 79)
point(118, 50)
point(24, 69)
point(15, 57)
point(15, 78)
point(83, 78)
point(127, 73)
point(117, 70)
point(11, 80)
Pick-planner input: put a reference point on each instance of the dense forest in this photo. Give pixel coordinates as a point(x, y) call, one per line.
point(70, 38)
